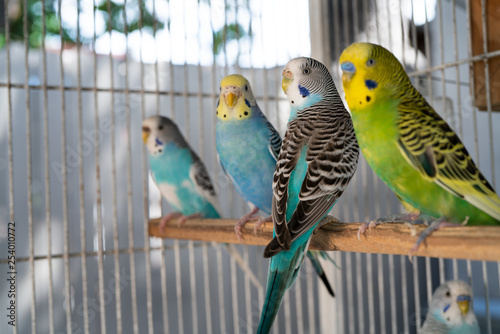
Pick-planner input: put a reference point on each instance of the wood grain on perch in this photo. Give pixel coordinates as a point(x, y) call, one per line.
point(468, 242)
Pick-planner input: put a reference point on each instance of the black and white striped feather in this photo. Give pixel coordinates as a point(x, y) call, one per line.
point(332, 156)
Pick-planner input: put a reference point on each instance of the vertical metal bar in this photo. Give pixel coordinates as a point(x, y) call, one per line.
point(298, 303)
point(67, 290)
point(442, 276)
point(114, 195)
point(416, 294)
point(381, 293)
point(220, 281)
point(147, 250)
point(206, 284)
point(234, 294)
point(486, 296)
point(83, 250)
point(488, 89)
point(288, 312)
point(29, 173)
point(47, 180)
point(404, 294)
point(392, 290)
point(192, 270)
point(130, 213)
point(178, 279)
point(427, 53)
point(201, 131)
point(248, 297)
point(163, 270)
point(222, 313)
point(100, 259)
point(178, 286)
point(441, 44)
point(472, 84)
point(10, 133)
point(311, 304)
point(350, 293)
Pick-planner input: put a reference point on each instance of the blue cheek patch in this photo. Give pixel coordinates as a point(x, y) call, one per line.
point(218, 101)
point(347, 66)
point(303, 91)
point(446, 308)
point(371, 84)
point(463, 298)
point(158, 142)
point(247, 103)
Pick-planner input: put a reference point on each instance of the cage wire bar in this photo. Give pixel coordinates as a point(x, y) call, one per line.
point(88, 265)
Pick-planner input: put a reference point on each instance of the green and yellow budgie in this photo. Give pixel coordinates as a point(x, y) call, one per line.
point(409, 146)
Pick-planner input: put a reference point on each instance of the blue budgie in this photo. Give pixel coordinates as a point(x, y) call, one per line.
point(451, 311)
point(178, 172)
point(248, 147)
point(318, 158)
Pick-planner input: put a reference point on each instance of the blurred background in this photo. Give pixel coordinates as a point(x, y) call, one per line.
point(78, 77)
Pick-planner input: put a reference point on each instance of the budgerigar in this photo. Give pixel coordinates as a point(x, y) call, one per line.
point(451, 311)
point(248, 146)
point(318, 158)
point(410, 147)
point(178, 172)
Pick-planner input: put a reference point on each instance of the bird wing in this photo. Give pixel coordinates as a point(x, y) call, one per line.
point(199, 176)
point(274, 141)
point(331, 157)
point(434, 149)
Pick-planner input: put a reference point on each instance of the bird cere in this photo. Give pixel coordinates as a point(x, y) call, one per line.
point(296, 180)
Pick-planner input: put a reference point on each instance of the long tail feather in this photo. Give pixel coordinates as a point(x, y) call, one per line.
point(277, 283)
point(319, 270)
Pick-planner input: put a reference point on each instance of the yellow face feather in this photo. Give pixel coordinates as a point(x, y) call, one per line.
point(370, 73)
point(236, 98)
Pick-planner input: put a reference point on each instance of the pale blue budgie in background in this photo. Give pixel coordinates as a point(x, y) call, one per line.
point(318, 158)
point(248, 147)
point(178, 172)
point(451, 310)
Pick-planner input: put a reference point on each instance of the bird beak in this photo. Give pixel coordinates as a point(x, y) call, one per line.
point(463, 304)
point(145, 134)
point(348, 70)
point(231, 99)
point(287, 79)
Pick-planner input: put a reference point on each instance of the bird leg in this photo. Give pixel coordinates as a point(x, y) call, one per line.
point(261, 222)
point(173, 215)
point(408, 218)
point(167, 217)
point(242, 221)
point(326, 220)
point(435, 225)
point(183, 218)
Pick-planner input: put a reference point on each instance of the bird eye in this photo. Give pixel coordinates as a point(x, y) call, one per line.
point(370, 62)
point(160, 127)
point(448, 294)
point(246, 87)
point(306, 71)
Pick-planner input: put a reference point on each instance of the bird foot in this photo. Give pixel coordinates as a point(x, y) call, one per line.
point(435, 225)
point(260, 222)
point(406, 218)
point(326, 220)
point(183, 218)
point(164, 220)
point(242, 221)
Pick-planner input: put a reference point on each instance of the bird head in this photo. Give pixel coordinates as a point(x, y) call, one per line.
point(306, 81)
point(235, 99)
point(368, 70)
point(158, 131)
point(452, 304)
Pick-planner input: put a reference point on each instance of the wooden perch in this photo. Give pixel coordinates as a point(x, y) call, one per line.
point(469, 242)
